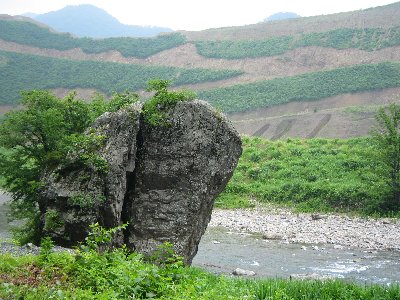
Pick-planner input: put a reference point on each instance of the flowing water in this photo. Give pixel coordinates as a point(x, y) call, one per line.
point(221, 251)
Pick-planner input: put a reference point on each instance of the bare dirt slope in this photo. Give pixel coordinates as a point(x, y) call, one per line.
point(343, 116)
point(384, 16)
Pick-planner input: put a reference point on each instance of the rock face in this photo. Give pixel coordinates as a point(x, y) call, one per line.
point(180, 170)
point(163, 180)
point(75, 197)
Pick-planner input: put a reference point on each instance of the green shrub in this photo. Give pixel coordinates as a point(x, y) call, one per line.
point(155, 109)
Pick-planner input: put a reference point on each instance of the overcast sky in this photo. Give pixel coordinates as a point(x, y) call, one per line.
point(193, 15)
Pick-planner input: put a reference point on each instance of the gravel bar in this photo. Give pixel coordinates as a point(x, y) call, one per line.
point(340, 230)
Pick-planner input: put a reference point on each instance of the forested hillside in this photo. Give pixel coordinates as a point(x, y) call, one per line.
point(319, 64)
point(26, 72)
point(31, 34)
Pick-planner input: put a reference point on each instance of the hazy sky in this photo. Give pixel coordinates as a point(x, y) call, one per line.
point(194, 15)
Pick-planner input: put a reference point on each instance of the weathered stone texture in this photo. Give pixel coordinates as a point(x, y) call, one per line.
point(163, 180)
point(180, 171)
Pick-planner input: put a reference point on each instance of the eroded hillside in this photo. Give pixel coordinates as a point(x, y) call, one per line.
point(265, 52)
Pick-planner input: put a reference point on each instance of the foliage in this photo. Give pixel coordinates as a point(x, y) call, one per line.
point(304, 87)
point(387, 136)
point(99, 238)
point(155, 109)
point(27, 72)
point(41, 136)
point(369, 39)
point(311, 175)
point(119, 275)
point(244, 49)
point(165, 256)
point(27, 33)
point(81, 149)
point(116, 274)
point(52, 220)
point(46, 248)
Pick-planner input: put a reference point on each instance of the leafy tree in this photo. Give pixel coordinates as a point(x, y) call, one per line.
point(387, 136)
point(38, 137)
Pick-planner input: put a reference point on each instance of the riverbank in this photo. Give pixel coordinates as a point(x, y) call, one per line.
point(313, 229)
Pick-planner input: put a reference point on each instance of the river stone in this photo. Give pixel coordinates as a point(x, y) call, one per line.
point(76, 196)
point(242, 272)
point(180, 170)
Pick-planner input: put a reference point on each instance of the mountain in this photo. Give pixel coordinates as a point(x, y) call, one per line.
point(30, 15)
point(320, 76)
point(282, 16)
point(90, 21)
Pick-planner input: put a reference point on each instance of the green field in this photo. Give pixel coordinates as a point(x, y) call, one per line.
point(304, 87)
point(368, 39)
point(27, 72)
point(309, 175)
point(27, 33)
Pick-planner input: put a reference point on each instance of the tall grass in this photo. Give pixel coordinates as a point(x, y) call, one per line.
point(311, 175)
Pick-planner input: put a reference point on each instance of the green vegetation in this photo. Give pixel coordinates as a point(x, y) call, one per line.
point(244, 49)
point(369, 39)
point(310, 175)
point(52, 220)
point(27, 33)
point(154, 110)
point(387, 136)
point(39, 137)
point(305, 87)
point(95, 272)
point(27, 72)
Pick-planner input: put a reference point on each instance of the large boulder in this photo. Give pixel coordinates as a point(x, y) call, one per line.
point(181, 168)
point(161, 178)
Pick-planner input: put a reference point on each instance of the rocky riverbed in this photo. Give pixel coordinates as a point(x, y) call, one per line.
point(289, 227)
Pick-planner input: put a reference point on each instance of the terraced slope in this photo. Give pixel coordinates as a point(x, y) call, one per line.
point(336, 61)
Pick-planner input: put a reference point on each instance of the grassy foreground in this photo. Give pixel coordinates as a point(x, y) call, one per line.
point(118, 275)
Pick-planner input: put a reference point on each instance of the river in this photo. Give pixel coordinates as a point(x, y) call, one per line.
point(221, 251)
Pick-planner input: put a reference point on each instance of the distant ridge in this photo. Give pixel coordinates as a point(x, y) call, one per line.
point(282, 16)
point(90, 21)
